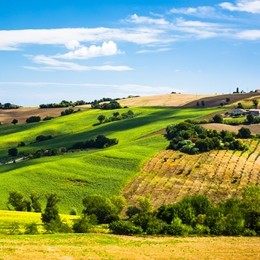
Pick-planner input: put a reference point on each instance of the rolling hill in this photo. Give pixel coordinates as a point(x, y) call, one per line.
point(109, 171)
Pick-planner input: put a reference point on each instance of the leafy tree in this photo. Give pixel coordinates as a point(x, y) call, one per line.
point(13, 152)
point(51, 212)
point(104, 210)
point(35, 197)
point(218, 118)
point(101, 118)
point(255, 102)
point(250, 119)
point(17, 201)
point(244, 133)
point(14, 122)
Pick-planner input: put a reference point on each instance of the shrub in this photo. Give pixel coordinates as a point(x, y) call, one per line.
point(82, 225)
point(121, 227)
point(218, 118)
point(31, 229)
point(33, 119)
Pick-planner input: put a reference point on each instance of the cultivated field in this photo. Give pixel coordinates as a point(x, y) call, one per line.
point(170, 175)
point(102, 246)
point(168, 100)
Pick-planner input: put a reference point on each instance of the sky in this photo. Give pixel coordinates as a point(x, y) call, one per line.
point(85, 50)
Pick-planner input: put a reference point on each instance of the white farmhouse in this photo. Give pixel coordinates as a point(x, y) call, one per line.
point(254, 112)
point(238, 112)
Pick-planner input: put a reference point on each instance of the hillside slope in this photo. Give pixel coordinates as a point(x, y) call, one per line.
point(171, 175)
point(73, 175)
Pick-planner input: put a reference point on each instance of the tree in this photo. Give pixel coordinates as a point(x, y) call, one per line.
point(250, 119)
point(14, 122)
point(255, 102)
point(218, 118)
point(104, 210)
point(244, 133)
point(16, 200)
point(35, 197)
point(13, 152)
point(101, 118)
point(51, 212)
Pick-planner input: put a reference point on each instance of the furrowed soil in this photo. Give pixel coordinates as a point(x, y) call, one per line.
point(103, 246)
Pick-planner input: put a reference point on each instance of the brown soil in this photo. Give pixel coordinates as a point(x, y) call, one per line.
point(21, 114)
point(215, 101)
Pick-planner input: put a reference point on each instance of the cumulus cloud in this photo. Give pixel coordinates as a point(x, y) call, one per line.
point(250, 6)
point(147, 20)
point(83, 52)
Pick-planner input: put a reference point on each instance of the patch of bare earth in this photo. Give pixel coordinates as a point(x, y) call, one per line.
point(171, 175)
point(255, 129)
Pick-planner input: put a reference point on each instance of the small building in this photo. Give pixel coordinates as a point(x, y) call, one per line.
point(238, 112)
point(254, 112)
point(257, 90)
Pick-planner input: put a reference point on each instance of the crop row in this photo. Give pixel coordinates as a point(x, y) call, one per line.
point(171, 175)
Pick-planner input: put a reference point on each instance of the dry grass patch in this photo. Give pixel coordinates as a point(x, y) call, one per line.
point(95, 246)
point(168, 100)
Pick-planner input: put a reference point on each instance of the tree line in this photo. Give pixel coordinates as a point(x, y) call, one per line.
point(193, 215)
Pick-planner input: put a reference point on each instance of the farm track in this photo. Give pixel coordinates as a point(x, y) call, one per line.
point(171, 175)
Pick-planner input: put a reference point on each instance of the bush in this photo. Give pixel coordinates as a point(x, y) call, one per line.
point(244, 133)
point(33, 119)
point(121, 227)
point(218, 118)
point(31, 229)
point(41, 138)
point(82, 225)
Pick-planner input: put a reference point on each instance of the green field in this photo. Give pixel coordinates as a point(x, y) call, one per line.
point(74, 175)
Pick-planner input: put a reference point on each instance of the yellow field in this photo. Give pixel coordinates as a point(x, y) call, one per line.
point(102, 246)
point(171, 175)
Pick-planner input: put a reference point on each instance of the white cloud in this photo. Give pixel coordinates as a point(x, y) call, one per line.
point(201, 11)
point(83, 52)
point(72, 37)
point(153, 50)
point(147, 20)
point(51, 63)
point(252, 35)
point(250, 6)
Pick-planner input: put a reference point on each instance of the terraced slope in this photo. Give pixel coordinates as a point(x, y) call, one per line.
point(170, 175)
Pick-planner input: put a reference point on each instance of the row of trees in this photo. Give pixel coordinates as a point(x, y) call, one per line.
point(63, 103)
point(112, 104)
point(115, 117)
point(193, 215)
point(191, 138)
point(8, 106)
point(99, 142)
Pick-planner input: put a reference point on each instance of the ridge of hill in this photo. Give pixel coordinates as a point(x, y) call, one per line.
point(166, 100)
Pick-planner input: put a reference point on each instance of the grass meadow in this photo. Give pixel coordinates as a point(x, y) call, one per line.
point(74, 175)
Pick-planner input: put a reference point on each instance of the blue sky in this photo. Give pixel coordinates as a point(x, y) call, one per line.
point(64, 49)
